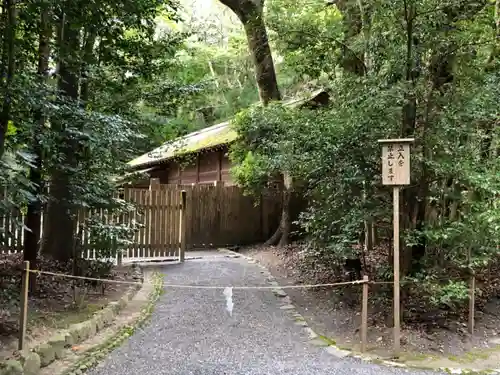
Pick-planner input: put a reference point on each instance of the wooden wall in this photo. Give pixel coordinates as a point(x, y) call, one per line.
point(203, 168)
point(224, 216)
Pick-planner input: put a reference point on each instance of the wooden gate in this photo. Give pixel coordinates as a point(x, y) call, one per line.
point(158, 221)
point(161, 212)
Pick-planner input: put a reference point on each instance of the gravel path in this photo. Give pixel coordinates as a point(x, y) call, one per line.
point(191, 332)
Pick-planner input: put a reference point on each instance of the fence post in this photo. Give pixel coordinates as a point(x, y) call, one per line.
point(118, 252)
point(364, 315)
point(182, 227)
point(23, 316)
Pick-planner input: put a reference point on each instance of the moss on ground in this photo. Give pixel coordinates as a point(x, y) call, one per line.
point(63, 319)
point(96, 354)
point(327, 340)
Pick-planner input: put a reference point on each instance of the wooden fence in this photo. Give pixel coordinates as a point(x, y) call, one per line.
point(218, 215)
point(157, 217)
point(223, 216)
point(215, 216)
point(11, 232)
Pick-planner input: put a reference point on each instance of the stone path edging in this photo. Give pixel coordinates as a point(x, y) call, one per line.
point(31, 361)
point(330, 347)
point(93, 356)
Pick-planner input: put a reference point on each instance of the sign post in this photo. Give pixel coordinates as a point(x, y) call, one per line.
point(396, 173)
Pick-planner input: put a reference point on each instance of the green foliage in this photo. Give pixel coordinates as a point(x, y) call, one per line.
point(94, 269)
point(217, 80)
point(435, 59)
point(419, 68)
point(250, 171)
point(450, 295)
point(444, 294)
point(110, 236)
point(259, 151)
point(332, 152)
point(306, 34)
point(82, 144)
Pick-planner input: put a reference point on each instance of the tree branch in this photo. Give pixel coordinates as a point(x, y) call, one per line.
point(334, 40)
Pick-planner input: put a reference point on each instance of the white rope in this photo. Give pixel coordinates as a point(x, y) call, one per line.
point(188, 286)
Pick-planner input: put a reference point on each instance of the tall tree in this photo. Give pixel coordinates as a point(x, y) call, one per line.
point(434, 79)
point(251, 15)
point(61, 215)
point(8, 66)
point(33, 220)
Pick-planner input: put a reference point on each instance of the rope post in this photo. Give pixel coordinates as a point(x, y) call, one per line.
point(472, 298)
point(182, 227)
point(364, 315)
point(23, 316)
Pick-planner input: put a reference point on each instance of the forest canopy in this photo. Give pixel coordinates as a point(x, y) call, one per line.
point(87, 86)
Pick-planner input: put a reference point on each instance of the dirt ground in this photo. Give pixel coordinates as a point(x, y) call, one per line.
point(335, 313)
point(53, 306)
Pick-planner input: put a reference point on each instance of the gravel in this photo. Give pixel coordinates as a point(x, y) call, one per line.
point(191, 332)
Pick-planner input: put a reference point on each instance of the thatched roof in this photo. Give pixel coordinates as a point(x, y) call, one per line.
point(213, 136)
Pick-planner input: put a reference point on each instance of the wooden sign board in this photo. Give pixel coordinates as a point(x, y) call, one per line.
point(396, 161)
point(396, 172)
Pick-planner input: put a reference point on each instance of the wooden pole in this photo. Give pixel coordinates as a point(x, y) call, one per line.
point(182, 227)
point(119, 252)
point(472, 292)
point(23, 316)
point(472, 297)
point(364, 315)
point(397, 319)
point(197, 168)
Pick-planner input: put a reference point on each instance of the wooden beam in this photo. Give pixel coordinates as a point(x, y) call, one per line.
point(220, 154)
point(197, 168)
point(154, 183)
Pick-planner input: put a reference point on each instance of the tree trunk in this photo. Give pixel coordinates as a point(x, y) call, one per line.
point(495, 52)
point(88, 61)
point(352, 21)
point(415, 200)
point(265, 74)
point(60, 229)
point(286, 220)
point(411, 207)
point(275, 238)
point(33, 221)
point(251, 15)
point(8, 66)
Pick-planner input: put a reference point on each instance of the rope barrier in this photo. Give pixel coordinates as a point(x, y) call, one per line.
point(403, 282)
point(39, 272)
point(190, 286)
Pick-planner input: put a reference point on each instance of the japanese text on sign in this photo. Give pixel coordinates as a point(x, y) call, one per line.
point(396, 164)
